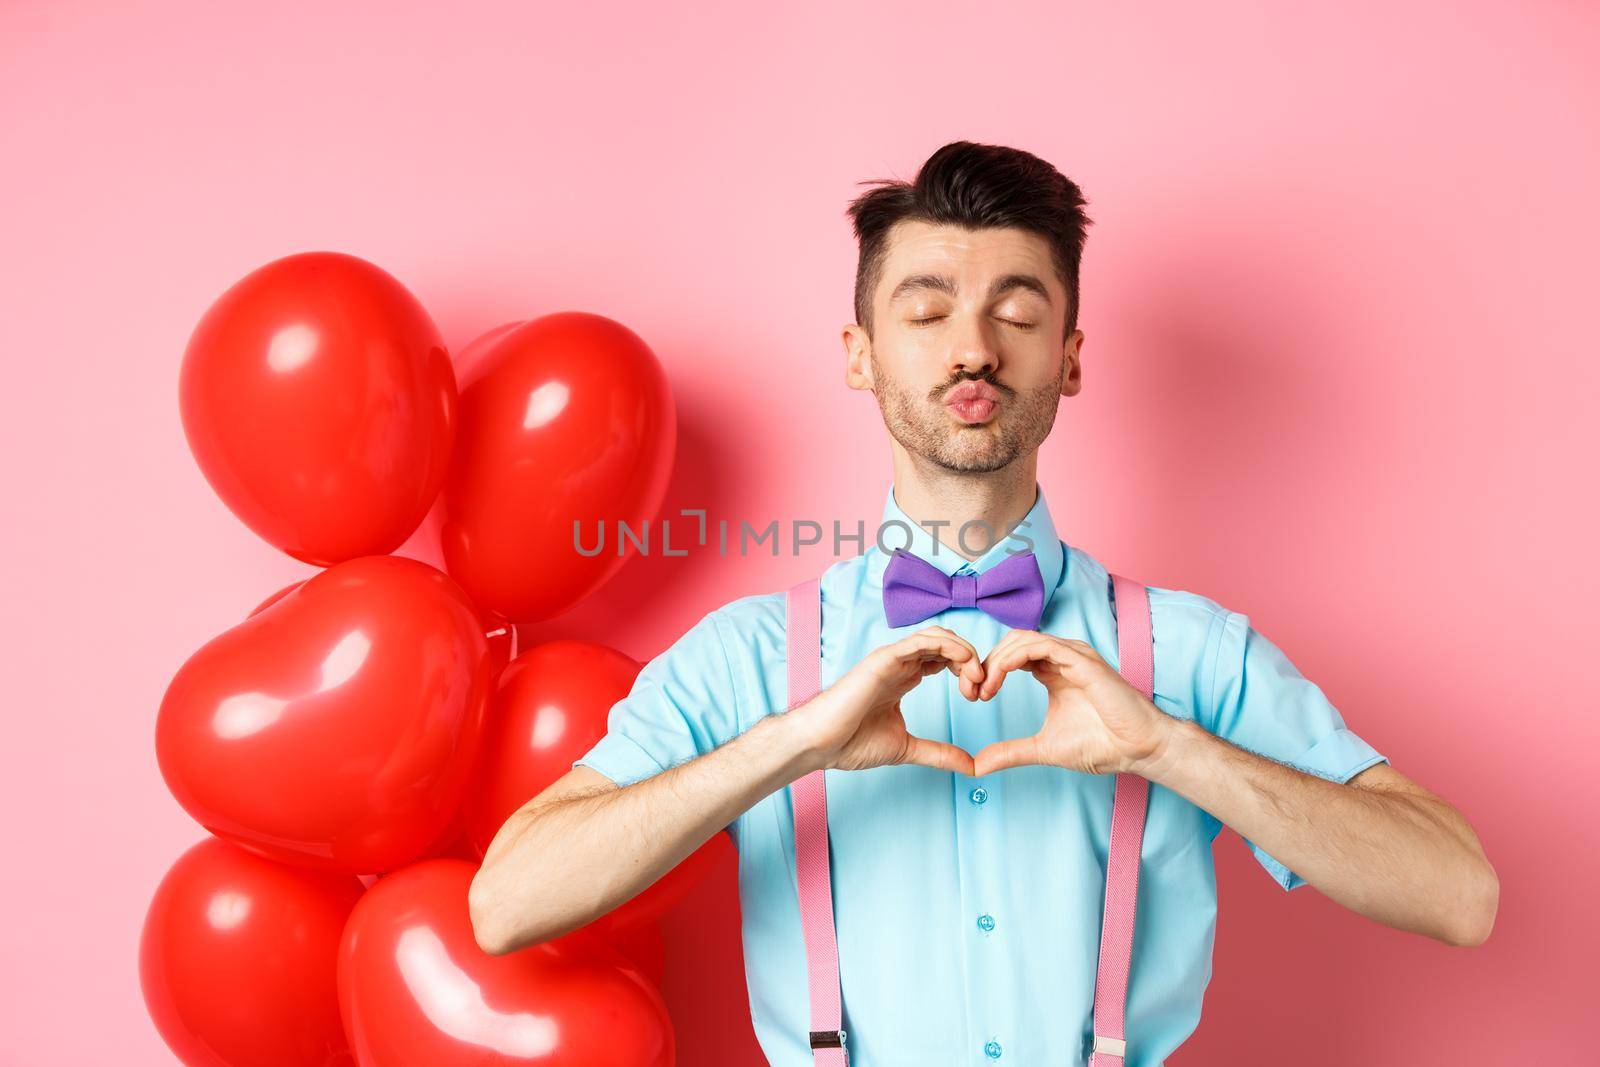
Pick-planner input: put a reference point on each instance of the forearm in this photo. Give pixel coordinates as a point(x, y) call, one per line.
point(556, 866)
point(1399, 859)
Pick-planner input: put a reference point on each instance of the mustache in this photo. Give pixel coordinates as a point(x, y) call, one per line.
point(938, 392)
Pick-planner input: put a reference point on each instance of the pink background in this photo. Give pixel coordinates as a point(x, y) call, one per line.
point(1340, 375)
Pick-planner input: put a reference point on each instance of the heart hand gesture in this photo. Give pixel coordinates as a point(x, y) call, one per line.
point(1095, 721)
point(857, 723)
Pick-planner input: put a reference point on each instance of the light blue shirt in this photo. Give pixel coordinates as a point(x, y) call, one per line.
point(968, 909)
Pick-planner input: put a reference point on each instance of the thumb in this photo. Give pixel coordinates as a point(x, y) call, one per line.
point(1016, 752)
point(938, 754)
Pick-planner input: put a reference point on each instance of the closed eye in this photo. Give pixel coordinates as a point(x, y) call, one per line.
point(1008, 322)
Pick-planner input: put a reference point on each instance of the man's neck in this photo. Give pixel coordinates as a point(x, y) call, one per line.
point(942, 501)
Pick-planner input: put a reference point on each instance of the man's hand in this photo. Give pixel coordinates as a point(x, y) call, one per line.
point(1094, 722)
point(856, 722)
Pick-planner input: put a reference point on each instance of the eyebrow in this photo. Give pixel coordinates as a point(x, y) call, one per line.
point(943, 283)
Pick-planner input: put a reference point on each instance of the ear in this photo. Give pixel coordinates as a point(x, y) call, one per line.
point(857, 357)
point(1071, 365)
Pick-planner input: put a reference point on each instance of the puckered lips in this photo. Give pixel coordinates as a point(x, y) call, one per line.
point(973, 402)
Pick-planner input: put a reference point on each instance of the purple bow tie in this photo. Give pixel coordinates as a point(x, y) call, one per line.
point(1011, 591)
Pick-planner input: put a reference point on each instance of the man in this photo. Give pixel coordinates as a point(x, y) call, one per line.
point(969, 813)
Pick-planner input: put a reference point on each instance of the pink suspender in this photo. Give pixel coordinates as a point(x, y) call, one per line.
point(811, 838)
point(1135, 652)
point(1136, 656)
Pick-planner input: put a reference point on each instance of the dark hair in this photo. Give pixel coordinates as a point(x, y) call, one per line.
point(974, 186)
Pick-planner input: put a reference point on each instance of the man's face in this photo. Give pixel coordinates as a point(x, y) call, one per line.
point(967, 357)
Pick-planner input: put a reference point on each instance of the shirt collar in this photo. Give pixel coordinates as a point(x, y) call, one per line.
point(1036, 527)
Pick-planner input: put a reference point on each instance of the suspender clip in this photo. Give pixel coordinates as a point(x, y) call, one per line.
point(1111, 1046)
point(827, 1039)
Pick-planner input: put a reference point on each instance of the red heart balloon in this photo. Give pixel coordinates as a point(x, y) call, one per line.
point(275, 597)
point(644, 949)
point(238, 960)
point(337, 727)
point(320, 404)
point(564, 419)
point(501, 635)
point(549, 709)
point(414, 988)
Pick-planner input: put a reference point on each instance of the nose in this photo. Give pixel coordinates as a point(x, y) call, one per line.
point(973, 351)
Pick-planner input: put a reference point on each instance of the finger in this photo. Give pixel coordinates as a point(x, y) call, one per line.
point(972, 669)
point(1085, 647)
point(1002, 659)
point(969, 675)
point(1068, 652)
point(1026, 654)
point(989, 684)
point(1011, 637)
point(936, 641)
point(939, 755)
point(901, 670)
point(917, 649)
point(1036, 650)
point(933, 637)
point(1017, 752)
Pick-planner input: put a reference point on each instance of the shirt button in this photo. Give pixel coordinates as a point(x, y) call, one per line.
point(986, 921)
point(978, 795)
point(992, 1050)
